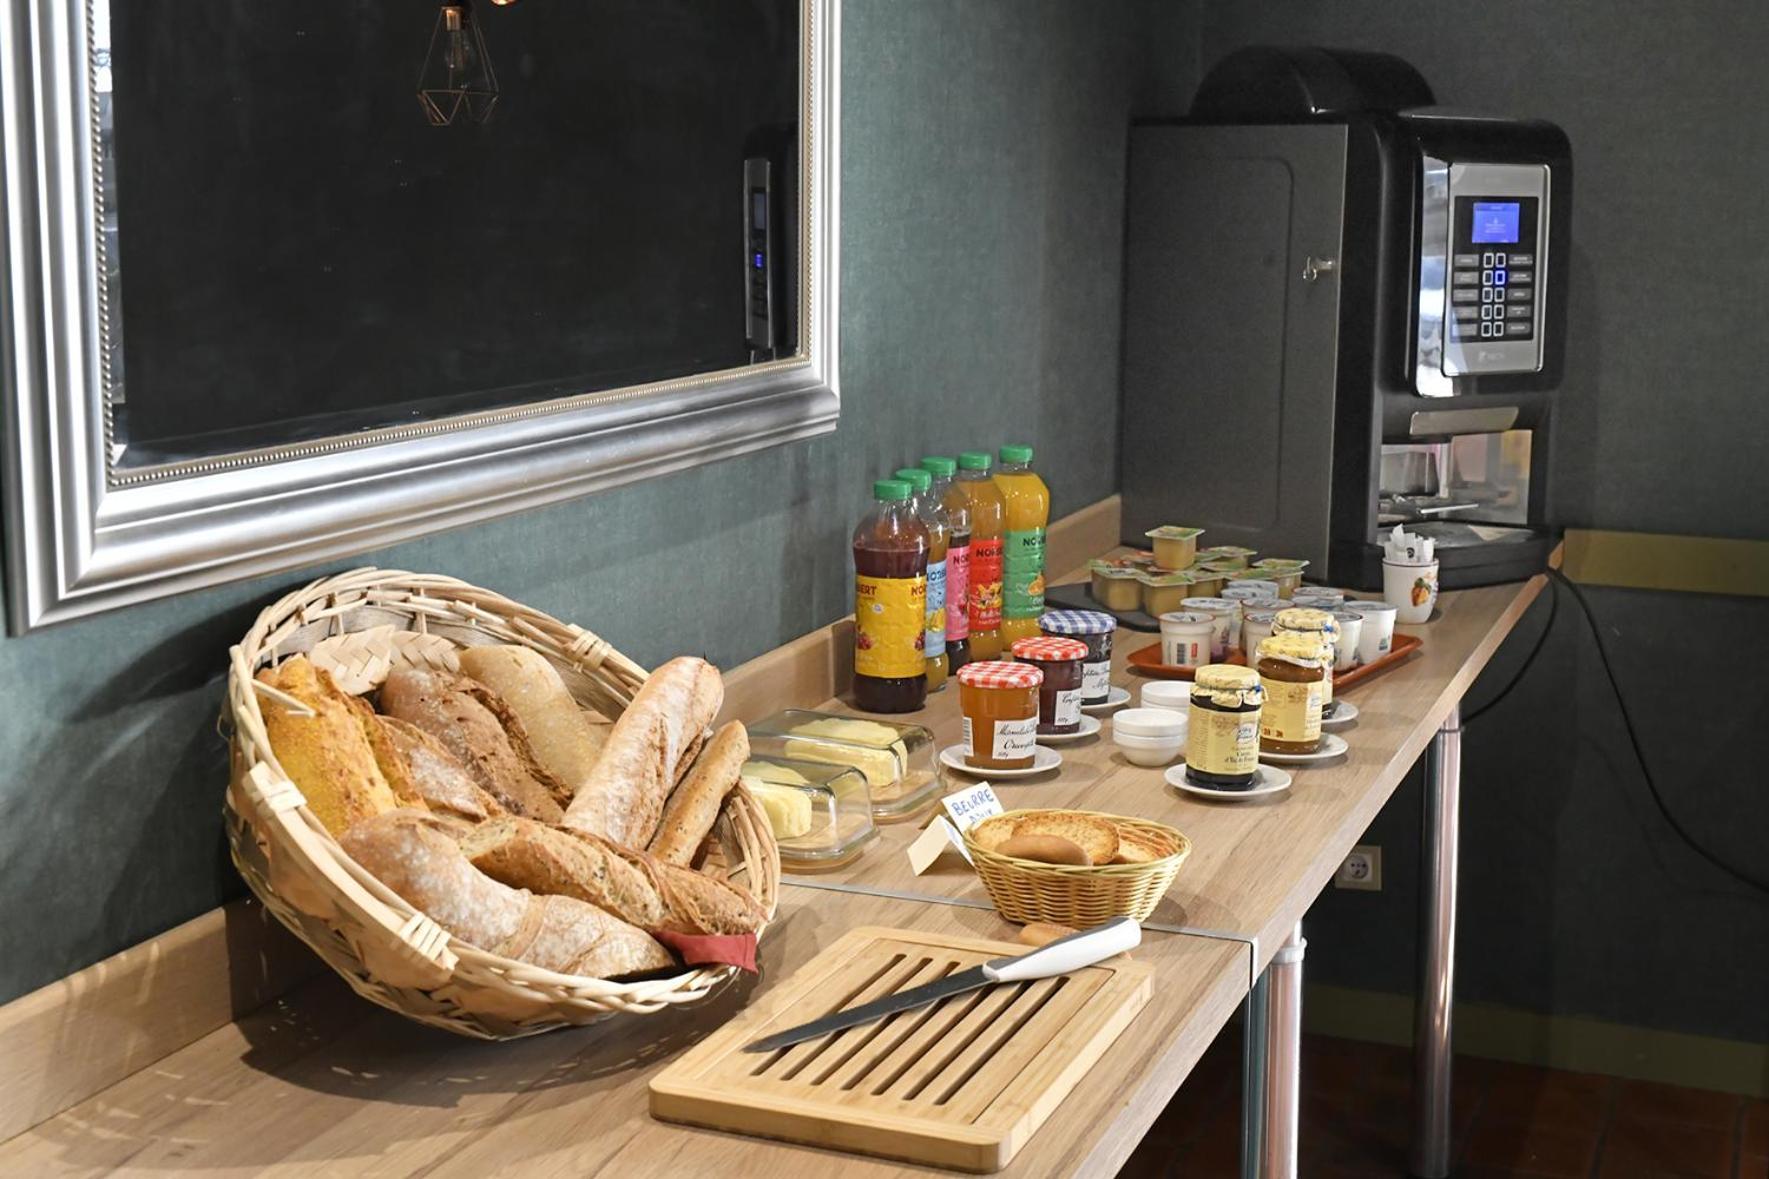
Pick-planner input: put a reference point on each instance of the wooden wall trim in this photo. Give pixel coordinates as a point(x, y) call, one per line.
point(72, 1038)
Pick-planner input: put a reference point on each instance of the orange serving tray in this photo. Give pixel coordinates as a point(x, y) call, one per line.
point(1147, 661)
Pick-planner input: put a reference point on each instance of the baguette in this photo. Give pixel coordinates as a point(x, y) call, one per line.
point(412, 854)
point(624, 794)
point(564, 738)
point(633, 886)
point(481, 732)
point(692, 806)
point(423, 773)
point(327, 754)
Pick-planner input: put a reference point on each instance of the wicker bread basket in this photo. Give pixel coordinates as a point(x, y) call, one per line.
point(368, 621)
point(1028, 890)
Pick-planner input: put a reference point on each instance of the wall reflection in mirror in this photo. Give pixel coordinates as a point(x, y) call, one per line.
point(328, 219)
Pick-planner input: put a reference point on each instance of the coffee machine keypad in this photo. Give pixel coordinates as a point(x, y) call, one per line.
point(1492, 271)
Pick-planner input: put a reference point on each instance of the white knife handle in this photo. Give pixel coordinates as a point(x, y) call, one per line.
point(1068, 953)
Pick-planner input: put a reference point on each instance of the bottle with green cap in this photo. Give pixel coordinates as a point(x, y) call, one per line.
point(957, 504)
point(939, 536)
point(1027, 514)
point(986, 515)
point(891, 547)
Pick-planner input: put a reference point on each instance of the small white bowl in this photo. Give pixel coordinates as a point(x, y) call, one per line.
point(1149, 722)
point(1149, 751)
point(1173, 695)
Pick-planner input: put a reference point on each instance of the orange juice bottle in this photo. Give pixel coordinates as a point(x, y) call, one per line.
point(987, 512)
point(1027, 513)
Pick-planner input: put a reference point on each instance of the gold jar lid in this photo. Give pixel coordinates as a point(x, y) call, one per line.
point(1302, 618)
point(1302, 648)
point(1227, 684)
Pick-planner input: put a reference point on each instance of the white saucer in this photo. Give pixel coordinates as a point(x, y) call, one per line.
point(1266, 780)
point(1116, 698)
point(1043, 761)
point(1090, 727)
point(1344, 712)
point(1332, 745)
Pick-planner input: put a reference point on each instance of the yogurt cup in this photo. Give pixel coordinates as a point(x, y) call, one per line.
point(1227, 614)
point(1175, 546)
point(1347, 645)
point(1187, 638)
point(1318, 597)
point(1255, 625)
point(1250, 588)
point(1285, 571)
point(1377, 638)
point(1230, 557)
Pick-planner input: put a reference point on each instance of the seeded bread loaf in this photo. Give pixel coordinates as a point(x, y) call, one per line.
point(326, 754)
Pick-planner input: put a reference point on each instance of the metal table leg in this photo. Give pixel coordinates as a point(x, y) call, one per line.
point(1430, 1155)
point(1271, 1074)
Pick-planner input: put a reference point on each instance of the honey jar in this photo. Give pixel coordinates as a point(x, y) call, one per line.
point(999, 701)
point(1307, 620)
point(1222, 730)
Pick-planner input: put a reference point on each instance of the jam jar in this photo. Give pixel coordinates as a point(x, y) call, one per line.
point(1095, 628)
point(1293, 666)
point(1306, 620)
point(999, 701)
point(1059, 696)
point(1222, 733)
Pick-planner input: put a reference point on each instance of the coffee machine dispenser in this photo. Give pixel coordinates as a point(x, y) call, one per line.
point(1345, 308)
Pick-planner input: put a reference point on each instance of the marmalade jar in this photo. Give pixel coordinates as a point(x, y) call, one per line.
point(1222, 730)
point(1292, 668)
point(999, 701)
point(1325, 628)
point(1095, 628)
point(1059, 696)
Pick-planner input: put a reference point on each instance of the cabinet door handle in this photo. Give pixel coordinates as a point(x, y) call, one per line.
point(1314, 267)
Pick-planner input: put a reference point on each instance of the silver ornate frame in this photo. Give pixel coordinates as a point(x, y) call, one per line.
point(81, 538)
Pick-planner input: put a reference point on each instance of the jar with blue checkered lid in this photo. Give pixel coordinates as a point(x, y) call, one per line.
point(1095, 628)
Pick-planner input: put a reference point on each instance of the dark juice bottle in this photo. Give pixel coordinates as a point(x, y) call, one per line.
point(890, 603)
point(957, 505)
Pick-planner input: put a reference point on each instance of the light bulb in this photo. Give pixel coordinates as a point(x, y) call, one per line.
point(457, 74)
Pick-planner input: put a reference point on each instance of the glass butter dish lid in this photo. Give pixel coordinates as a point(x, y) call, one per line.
point(821, 814)
point(896, 759)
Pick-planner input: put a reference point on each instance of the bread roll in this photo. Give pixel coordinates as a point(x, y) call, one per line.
point(1046, 849)
point(327, 754)
point(412, 855)
point(564, 739)
point(632, 885)
point(1096, 836)
point(623, 796)
point(423, 773)
point(481, 732)
point(692, 806)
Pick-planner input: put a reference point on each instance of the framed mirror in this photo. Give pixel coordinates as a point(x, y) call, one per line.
point(287, 282)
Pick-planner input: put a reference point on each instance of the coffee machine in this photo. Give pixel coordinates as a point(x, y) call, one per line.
point(1345, 308)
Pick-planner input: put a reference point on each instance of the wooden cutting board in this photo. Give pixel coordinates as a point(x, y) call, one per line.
point(963, 1083)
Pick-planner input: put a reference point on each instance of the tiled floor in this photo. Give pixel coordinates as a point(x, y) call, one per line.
point(1510, 1120)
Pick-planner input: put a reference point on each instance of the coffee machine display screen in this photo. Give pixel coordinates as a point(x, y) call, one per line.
point(1495, 222)
point(1494, 290)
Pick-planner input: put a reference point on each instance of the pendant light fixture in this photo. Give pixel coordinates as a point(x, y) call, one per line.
point(457, 79)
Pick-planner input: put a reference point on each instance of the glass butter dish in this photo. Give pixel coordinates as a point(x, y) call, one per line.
point(821, 814)
point(897, 759)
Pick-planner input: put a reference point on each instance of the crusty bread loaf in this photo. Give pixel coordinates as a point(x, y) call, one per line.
point(1137, 847)
point(1046, 849)
point(692, 806)
point(624, 795)
point(563, 737)
point(632, 885)
point(327, 754)
point(992, 832)
point(1096, 836)
point(423, 773)
point(481, 732)
point(412, 854)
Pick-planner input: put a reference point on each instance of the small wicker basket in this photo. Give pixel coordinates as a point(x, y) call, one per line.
point(1028, 890)
point(368, 621)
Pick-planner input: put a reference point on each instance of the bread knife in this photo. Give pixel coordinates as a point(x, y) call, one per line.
point(1059, 957)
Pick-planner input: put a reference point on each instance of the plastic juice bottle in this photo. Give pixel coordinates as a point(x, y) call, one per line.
point(933, 515)
point(986, 514)
point(957, 505)
point(890, 603)
point(1027, 502)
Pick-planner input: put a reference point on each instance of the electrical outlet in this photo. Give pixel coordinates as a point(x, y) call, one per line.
point(1361, 869)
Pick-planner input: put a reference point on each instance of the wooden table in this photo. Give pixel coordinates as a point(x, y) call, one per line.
point(321, 1082)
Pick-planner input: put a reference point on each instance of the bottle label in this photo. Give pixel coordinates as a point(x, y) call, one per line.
point(958, 593)
point(890, 626)
point(1096, 680)
point(1022, 574)
point(1068, 708)
point(934, 644)
point(1220, 742)
point(1012, 739)
point(985, 584)
point(1292, 712)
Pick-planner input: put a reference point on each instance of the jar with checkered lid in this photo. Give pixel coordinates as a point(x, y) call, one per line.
point(1095, 628)
point(1059, 696)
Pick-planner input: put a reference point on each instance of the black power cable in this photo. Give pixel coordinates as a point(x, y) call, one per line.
point(1756, 882)
point(1522, 668)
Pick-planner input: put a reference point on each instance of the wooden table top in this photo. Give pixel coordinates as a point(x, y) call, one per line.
point(1256, 865)
point(320, 1081)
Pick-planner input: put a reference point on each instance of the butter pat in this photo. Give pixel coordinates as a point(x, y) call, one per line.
point(788, 809)
point(768, 771)
point(879, 765)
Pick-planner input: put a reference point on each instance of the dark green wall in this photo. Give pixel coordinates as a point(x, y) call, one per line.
point(1577, 897)
point(981, 184)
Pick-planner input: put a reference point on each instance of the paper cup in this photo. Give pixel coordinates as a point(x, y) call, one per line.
point(1378, 637)
point(1410, 589)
